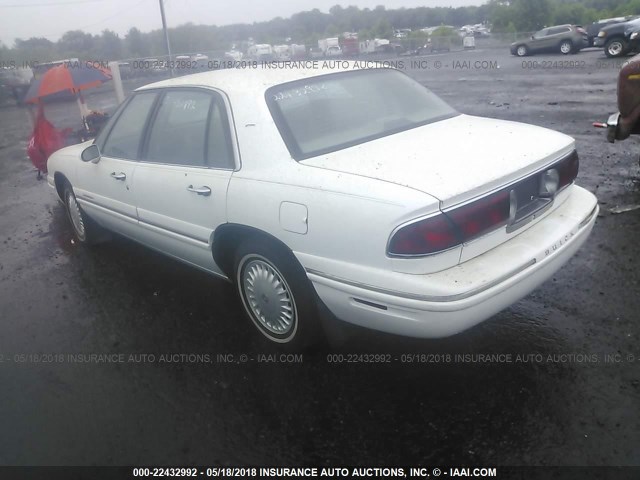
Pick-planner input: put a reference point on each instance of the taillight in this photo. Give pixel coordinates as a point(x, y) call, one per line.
point(568, 169)
point(462, 224)
point(452, 228)
point(482, 215)
point(423, 237)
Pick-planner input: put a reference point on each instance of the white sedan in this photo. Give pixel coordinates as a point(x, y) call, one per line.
point(357, 188)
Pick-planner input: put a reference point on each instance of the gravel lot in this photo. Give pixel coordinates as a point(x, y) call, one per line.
point(572, 399)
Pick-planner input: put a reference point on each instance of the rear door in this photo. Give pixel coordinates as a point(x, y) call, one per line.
point(182, 178)
point(105, 189)
point(555, 36)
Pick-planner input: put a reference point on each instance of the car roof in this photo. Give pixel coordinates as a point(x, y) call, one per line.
point(260, 76)
point(618, 25)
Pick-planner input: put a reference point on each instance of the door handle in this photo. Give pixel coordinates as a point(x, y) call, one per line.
point(118, 176)
point(204, 191)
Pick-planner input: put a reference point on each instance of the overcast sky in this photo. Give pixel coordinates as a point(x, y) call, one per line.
point(52, 18)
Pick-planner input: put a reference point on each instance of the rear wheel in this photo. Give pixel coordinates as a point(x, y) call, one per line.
point(566, 47)
point(522, 51)
point(616, 47)
point(276, 293)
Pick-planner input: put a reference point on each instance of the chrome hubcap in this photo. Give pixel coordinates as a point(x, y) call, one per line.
point(615, 48)
point(522, 51)
point(268, 297)
point(76, 216)
point(565, 48)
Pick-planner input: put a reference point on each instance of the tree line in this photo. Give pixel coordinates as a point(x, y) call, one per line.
point(309, 26)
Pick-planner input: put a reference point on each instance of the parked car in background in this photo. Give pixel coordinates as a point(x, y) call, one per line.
point(422, 49)
point(315, 52)
point(282, 53)
point(561, 38)
point(594, 28)
point(348, 188)
point(619, 39)
point(333, 51)
point(261, 52)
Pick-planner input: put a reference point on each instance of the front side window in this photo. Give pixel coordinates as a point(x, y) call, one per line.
point(123, 140)
point(330, 112)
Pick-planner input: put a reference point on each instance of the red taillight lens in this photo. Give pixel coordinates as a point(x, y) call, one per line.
point(568, 169)
point(452, 228)
point(424, 237)
point(482, 215)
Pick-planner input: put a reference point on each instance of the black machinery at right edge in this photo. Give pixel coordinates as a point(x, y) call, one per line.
point(627, 121)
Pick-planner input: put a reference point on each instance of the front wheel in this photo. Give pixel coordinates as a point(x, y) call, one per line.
point(615, 48)
point(522, 51)
point(276, 294)
point(566, 47)
point(85, 230)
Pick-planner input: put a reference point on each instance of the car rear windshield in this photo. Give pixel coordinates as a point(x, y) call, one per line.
point(331, 112)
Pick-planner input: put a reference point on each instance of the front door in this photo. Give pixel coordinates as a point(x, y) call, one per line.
point(105, 188)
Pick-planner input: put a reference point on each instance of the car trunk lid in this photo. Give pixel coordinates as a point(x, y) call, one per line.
point(454, 160)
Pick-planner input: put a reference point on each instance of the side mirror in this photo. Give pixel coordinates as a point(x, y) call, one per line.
point(91, 154)
point(533, 37)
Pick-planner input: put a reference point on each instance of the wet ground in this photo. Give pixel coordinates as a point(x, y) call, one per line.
point(572, 398)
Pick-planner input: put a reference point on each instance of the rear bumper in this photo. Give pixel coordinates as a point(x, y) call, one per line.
point(532, 257)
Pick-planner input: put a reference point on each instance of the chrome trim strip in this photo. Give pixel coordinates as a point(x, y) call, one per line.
point(165, 230)
point(426, 298)
point(174, 257)
point(182, 165)
point(83, 200)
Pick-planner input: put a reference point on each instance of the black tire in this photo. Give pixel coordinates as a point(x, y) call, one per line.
point(85, 230)
point(615, 48)
point(271, 275)
point(566, 47)
point(522, 51)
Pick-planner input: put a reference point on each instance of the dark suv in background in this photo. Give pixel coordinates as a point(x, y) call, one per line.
point(560, 38)
point(595, 27)
point(619, 39)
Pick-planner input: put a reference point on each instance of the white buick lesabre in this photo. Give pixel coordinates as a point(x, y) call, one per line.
point(357, 188)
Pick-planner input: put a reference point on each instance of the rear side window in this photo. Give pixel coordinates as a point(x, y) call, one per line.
point(179, 131)
point(125, 136)
point(558, 30)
